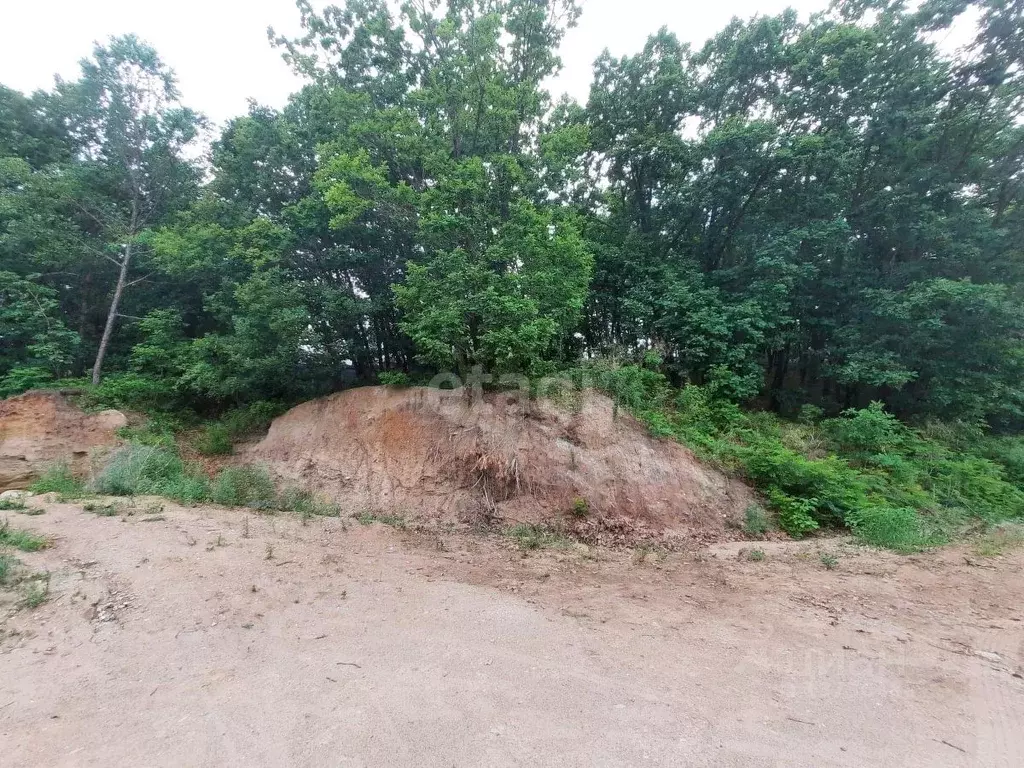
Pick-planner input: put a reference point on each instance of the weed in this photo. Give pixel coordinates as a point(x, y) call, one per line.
point(368, 518)
point(307, 504)
point(58, 478)
point(111, 509)
point(269, 552)
point(529, 537)
point(830, 561)
point(755, 521)
point(8, 566)
point(999, 540)
point(19, 539)
point(10, 505)
point(37, 592)
point(245, 486)
point(580, 507)
point(756, 555)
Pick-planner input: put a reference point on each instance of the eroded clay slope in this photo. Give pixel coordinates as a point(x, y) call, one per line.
point(431, 454)
point(42, 427)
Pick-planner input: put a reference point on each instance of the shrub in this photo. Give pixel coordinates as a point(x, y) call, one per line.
point(580, 507)
point(393, 379)
point(11, 504)
point(795, 514)
point(245, 486)
point(755, 521)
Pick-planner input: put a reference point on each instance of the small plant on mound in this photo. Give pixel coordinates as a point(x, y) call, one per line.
point(756, 555)
point(830, 561)
point(580, 507)
point(59, 479)
point(245, 486)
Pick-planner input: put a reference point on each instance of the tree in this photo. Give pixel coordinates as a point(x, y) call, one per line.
point(133, 135)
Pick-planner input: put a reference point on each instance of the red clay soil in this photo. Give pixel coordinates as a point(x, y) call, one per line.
point(41, 427)
point(435, 456)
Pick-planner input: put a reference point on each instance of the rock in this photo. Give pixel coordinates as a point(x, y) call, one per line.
point(15, 495)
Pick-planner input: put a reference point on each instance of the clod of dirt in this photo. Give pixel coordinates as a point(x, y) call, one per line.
point(435, 456)
point(40, 428)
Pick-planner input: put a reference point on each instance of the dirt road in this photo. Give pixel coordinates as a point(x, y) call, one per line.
point(215, 638)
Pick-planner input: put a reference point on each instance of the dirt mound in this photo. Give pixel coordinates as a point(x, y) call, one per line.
point(39, 428)
point(429, 454)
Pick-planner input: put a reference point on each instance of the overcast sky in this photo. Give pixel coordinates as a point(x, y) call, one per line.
point(220, 52)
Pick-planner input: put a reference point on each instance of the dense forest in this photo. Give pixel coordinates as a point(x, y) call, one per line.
point(820, 220)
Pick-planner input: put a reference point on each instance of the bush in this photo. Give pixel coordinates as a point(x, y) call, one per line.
point(755, 521)
point(245, 486)
point(393, 379)
point(795, 514)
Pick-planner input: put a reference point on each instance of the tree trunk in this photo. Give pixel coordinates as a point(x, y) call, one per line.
point(115, 303)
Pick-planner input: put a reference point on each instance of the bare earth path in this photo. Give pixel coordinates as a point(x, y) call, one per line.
point(201, 640)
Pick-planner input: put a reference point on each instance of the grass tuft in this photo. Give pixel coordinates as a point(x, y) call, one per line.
point(26, 541)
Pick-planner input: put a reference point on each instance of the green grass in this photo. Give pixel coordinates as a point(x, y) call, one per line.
point(756, 555)
point(9, 505)
point(393, 521)
point(26, 541)
point(58, 478)
point(528, 536)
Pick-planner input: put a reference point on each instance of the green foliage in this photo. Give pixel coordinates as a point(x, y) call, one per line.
point(795, 515)
point(58, 478)
point(7, 505)
point(215, 440)
point(397, 379)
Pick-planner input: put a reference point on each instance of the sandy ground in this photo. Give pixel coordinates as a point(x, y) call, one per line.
point(201, 639)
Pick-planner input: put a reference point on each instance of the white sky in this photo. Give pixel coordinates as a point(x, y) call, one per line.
point(220, 52)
